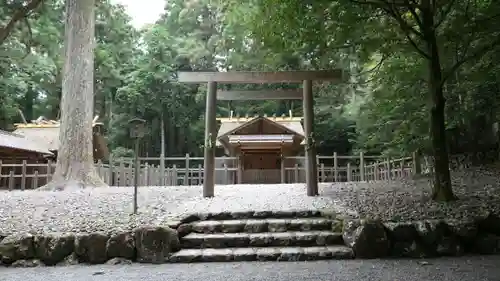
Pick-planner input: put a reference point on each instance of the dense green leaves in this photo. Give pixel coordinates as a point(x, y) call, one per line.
point(383, 108)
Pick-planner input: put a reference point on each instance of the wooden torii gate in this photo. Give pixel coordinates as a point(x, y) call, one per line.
point(213, 78)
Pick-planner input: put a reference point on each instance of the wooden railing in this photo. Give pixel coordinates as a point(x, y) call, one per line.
point(188, 171)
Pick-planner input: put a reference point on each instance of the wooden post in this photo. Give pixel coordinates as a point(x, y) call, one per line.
point(240, 170)
point(311, 167)
point(210, 135)
point(35, 180)
point(388, 171)
point(162, 168)
point(111, 172)
point(335, 165)
point(11, 180)
point(186, 173)
point(402, 164)
point(122, 177)
point(375, 170)
point(322, 172)
point(282, 169)
point(296, 173)
point(49, 170)
point(417, 166)
point(23, 175)
point(361, 167)
point(226, 174)
point(174, 176)
point(200, 175)
point(349, 173)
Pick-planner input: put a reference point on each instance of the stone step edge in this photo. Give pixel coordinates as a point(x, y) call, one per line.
point(262, 254)
point(259, 225)
point(255, 215)
point(263, 239)
point(237, 235)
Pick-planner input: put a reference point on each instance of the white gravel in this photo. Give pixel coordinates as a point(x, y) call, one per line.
point(478, 190)
point(111, 208)
point(105, 209)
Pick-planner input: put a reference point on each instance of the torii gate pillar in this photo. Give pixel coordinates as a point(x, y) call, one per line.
point(305, 77)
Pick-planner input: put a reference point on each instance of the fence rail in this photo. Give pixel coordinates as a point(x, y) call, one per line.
point(188, 171)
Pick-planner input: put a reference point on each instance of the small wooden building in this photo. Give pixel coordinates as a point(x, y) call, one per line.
point(46, 132)
point(15, 150)
point(260, 143)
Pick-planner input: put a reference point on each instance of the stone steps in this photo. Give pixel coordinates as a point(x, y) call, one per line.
point(260, 236)
point(262, 254)
point(261, 225)
point(262, 239)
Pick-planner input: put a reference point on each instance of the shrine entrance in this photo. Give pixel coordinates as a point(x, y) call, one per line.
point(213, 78)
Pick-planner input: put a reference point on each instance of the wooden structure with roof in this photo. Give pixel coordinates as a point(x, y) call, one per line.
point(46, 133)
point(16, 149)
point(261, 144)
point(213, 78)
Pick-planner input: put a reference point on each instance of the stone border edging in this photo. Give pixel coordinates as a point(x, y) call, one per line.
point(367, 238)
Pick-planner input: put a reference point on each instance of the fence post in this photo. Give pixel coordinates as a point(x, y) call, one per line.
point(402, 164)
point(417, 167)
point(122, 175)
point(389, 171)
point(348, 172)
point(240, 170)
point(335, 167)
point(1, 178)
point(111, 172)
point(23, 175)
point(11, 180)
point(186, 173)
point(35, 180)
point(200, 175)
point(282, 169)
point(317, 168)
point(361, 167)
point(376, 171)
point(174, 175)
point(99, 168)
point(49, 171)
point(162, 169)
point(296, 173)
point(226, 174)
point(323, 174)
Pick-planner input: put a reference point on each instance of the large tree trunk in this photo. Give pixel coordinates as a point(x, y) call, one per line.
point(75, 163)
point(442, 189)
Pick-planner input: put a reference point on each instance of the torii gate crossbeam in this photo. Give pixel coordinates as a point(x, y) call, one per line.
point(251, 77)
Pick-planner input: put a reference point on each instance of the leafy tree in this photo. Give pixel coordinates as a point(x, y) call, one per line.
point(429, 28)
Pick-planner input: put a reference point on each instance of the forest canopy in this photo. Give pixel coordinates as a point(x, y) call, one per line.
point(383, 108)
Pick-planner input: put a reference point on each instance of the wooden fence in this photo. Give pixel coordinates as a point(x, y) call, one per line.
point(188, 171)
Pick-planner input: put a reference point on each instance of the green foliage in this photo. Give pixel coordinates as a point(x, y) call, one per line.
point(383, 108)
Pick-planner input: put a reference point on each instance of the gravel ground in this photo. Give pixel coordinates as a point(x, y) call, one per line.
point(445, 269)
point(110, 208)
point(478, 190)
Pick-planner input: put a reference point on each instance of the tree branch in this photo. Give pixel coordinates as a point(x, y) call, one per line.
point(19, 15)
point(414, 13)
point(376, 67)
point(445, 13)
point(476, 55)
point(30, 37)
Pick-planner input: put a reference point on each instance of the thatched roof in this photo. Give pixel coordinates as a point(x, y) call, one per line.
point(20, 142)
point(46, 132)
point(228, 128)
point(49, 136)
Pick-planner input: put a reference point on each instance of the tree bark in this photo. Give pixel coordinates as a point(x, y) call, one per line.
point(75, 164)
point(442, 189)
